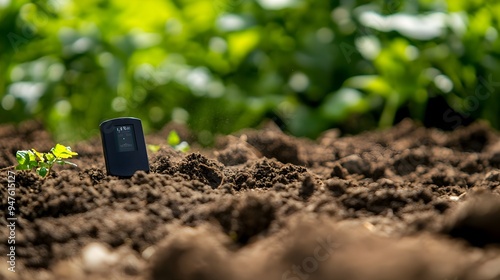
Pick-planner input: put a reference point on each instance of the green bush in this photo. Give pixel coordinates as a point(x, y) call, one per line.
point(223, 65)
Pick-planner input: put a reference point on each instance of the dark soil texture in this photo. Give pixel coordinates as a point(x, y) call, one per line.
point(405, 203)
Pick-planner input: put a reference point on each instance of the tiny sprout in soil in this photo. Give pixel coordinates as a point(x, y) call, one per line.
point(174, 141)
point(43, 162)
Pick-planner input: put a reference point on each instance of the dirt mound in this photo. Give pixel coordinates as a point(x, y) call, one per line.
point(405, 203)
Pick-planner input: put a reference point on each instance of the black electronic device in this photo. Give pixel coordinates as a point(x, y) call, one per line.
point(124, 146)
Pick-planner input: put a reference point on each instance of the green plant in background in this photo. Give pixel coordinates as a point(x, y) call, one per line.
point(43, 162)
point(219, 66)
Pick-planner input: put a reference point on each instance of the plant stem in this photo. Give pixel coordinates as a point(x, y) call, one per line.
point(48, 173)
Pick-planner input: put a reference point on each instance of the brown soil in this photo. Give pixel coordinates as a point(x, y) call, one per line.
point(406, 203)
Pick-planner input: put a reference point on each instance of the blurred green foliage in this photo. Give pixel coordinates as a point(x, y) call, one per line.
point(222, 65)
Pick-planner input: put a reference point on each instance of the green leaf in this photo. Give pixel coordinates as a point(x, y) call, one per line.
point(50, 158)
point(42, 171)
point(153, 148)
point(38, 155)
point(22, 158)
point(173, 138)
point(31, 159)
point(242, 43)
point(61, 151)
point(183, 147)
point(22, 167)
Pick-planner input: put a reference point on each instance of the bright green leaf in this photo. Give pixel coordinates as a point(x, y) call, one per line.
point(242, 43)
point(50, 157)
point(369, 83)
point(173, 138)
point(153, 148)
point(31, 159)
point(61, 151)
point(38, 155)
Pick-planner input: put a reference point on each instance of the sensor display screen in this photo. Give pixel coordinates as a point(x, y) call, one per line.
point(125, 138)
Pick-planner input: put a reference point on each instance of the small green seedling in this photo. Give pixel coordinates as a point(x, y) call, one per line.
point(174, 141)
point(43, 162)
point(153, 148)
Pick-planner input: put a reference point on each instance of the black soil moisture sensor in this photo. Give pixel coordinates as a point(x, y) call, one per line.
point(124, 146)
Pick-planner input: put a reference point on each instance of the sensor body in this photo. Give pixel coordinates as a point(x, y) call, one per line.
point(124, 146)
